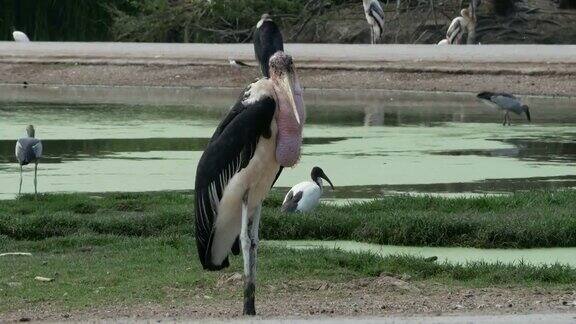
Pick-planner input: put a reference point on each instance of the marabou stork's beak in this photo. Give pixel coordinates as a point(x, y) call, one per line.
point(287, 83)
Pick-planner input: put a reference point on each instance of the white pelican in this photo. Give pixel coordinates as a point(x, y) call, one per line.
point(261, 134)
point(19, 36)
point(267, 41)
point(375, 17)
point(305, 196)
point(505, 102)
point(29, 150)
point(460, 26)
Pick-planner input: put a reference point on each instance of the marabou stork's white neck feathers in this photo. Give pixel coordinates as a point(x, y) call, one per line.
point(505, 102)
point(305, 196)
point(375, 17)
point(267, 41)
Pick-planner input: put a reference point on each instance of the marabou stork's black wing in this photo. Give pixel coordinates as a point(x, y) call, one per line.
point(230, 149)
point(267, 41)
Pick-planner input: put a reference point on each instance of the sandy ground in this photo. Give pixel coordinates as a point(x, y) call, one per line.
point(375, 297)
point(531, 69)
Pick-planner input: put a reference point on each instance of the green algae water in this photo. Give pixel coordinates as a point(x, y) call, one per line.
point(545, 256)
point(370, 143)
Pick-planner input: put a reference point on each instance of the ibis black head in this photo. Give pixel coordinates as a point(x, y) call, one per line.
point(30, 131)
point(316, 173)
point(527, 112)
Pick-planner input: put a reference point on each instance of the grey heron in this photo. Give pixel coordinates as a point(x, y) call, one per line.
point(505, 102)
point(305, 196)
point(460, 26)
point(267, 41)
point(19, 36)
point(261, 134)
point(375, 17)
point(29, 150)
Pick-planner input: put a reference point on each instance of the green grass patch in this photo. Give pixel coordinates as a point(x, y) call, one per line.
point(522, 220)
point(94, 270)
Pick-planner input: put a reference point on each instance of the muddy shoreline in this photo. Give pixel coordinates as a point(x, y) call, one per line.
point(552, 84)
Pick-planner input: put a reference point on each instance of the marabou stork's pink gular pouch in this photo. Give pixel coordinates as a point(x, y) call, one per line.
point(290, 115)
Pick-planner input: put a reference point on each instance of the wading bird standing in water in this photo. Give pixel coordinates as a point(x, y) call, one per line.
point(29, 150)
point(505, 102)
point(375, 17)
point(305, 196)
point(261, 133)
point(267, 41)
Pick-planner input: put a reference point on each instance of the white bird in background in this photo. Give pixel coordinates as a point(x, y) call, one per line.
point(444, 42)
point(29, 150)
point(237, 64)
point(19, 36)
point(460, 26)
point(305, 196)
point(375, 17)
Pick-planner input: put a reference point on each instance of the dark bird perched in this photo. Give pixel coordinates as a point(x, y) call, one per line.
point(261, 133)
point(305, 196)
point(29, 150)
point(505, 102)
point(267, 41)
point(375, 17)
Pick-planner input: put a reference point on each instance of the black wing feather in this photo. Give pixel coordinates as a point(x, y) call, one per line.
point(267, 41)
point(230, 149)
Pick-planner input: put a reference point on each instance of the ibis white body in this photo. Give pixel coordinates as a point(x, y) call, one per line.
point(311, 193)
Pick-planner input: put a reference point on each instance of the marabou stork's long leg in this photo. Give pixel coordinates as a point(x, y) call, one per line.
point(20, 189)
point(36, 178)
point(505, 118)
point(249, 240)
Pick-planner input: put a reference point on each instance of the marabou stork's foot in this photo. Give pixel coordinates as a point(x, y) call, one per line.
point(249, 305)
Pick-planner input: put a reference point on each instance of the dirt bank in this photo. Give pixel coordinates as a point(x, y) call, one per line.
point(382, 296)
point(450, 79)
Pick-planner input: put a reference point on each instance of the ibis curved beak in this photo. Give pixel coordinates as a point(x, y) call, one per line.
point(325, 177)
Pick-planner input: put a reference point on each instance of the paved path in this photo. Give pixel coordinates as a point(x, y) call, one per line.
point(327, 53)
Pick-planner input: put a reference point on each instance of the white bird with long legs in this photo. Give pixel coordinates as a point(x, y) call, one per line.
point(261, 133)
point(375, 17)
point(29, 150)
point(506, 102)
point(460, 26)
point(305, 196)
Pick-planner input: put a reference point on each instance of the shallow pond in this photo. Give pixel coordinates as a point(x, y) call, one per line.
point(459, 255)
point(370, 143)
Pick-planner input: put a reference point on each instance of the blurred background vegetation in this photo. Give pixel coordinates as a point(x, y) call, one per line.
point(321, 21)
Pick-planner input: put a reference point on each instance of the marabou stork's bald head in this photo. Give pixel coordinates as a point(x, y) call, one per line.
point(291, 113)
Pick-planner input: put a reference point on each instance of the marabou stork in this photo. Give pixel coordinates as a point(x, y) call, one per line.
point(261, 134)
point(267, 41)
point(29, 150)
point(375, 17)
point(305, 196)
point(19, 36)
point(460, 26)
point(505, 102)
